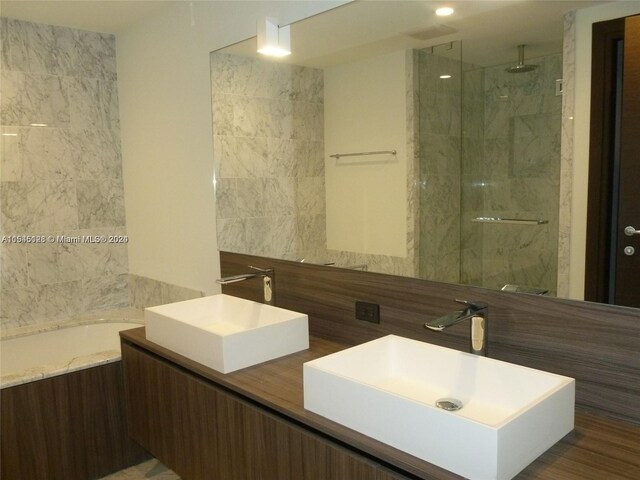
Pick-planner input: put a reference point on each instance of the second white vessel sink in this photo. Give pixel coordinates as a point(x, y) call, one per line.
point(227, 333)
point(389, 389)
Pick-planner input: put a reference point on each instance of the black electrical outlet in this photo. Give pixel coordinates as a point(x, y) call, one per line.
point(369, 312)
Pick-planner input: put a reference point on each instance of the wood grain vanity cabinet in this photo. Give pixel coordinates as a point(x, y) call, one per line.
point(203, 431)
point(252, 425)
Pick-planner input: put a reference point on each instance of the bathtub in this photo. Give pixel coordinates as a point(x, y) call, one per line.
point(59, 350)
point(64, 382)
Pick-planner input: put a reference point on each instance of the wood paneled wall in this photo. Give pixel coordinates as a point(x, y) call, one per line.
point(598, 345)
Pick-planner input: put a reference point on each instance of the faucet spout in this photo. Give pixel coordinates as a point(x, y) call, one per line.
point(269, 281)
point(477, 313)
point(237, 278)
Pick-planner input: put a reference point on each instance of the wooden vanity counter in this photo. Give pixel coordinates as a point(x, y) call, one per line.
point(598, 448)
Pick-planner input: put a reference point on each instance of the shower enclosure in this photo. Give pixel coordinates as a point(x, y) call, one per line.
point(489, 157)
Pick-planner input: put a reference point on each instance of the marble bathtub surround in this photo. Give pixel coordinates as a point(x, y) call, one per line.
point(120, 315)
point(124, 315)
point(147, 292)
point(37, 304)
point(63, 179)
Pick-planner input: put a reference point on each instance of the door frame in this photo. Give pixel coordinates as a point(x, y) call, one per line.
point(601, 143)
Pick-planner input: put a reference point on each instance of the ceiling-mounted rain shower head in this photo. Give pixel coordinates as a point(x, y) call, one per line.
point(521, 67)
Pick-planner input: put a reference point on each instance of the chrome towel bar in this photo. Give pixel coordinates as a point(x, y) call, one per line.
point(358, 154)
point(514, 221)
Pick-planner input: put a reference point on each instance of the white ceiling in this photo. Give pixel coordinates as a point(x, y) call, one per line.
point(94, 15)
point(492, 28)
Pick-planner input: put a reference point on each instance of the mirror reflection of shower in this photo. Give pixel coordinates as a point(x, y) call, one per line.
point(489, 169)
point(521, 67)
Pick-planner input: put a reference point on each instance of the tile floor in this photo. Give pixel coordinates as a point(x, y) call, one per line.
point(149, 470)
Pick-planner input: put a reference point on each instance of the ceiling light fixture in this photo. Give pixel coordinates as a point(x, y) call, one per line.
point(273, 40)
point(444, 11)
point(445, 76)
point(38, 125)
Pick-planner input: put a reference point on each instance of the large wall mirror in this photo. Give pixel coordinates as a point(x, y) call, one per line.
point(396, 141)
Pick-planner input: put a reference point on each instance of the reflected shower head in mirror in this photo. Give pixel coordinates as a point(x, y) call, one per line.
point(521, 67)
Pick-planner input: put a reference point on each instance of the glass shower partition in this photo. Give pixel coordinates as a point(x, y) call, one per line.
point(489, 170)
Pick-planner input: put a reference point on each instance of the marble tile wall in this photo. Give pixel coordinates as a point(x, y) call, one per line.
point(268, 126)
point(471, 174)
point(62, 220)
point(566, 152)
point(147, 292)
point(440, 102)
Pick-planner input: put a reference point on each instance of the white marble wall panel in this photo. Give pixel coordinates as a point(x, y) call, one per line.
point(268, 124)
point(100, 203)
point(232, 235)
point(29, 98)
point(147, 292)
point(38, 48)
point(13, 266)
point(61, 180)
point(105, 292)
point(566, 156)
point(440, 137)
point(413, 161)
point(40, 304)
point(38, 207)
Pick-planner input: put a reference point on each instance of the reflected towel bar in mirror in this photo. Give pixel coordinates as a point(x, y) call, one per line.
point(358, 154)
point(514, 221)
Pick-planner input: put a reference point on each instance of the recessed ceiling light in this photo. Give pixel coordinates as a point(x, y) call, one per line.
point(444, 11)
point(38, 124)
point(445, 76)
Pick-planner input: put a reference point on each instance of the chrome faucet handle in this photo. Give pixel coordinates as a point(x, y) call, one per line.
point(474, 306)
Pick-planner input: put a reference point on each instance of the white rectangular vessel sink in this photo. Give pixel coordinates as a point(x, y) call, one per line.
point(227, 333)
point(388, 389)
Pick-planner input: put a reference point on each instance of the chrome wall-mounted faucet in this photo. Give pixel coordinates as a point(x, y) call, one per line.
point(268, 278)
point(477, 313)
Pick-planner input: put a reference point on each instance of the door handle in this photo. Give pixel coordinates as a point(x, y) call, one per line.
point(630, 231)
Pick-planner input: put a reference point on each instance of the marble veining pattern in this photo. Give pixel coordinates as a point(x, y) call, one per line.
point(489, 146)
point(440, 131)
point(521, 174)
point(63, 180)
point(147, 292)
point(269, 163)
point(127, 315)
point(268, 125)
point(566, 153)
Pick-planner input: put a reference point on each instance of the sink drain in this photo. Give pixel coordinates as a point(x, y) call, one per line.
point(449, 404)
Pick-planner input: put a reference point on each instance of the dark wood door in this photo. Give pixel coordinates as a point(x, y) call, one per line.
point(613, 257)
point(627, 281)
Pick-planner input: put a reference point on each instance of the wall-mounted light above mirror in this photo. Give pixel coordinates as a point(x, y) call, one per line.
point(273, 40)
